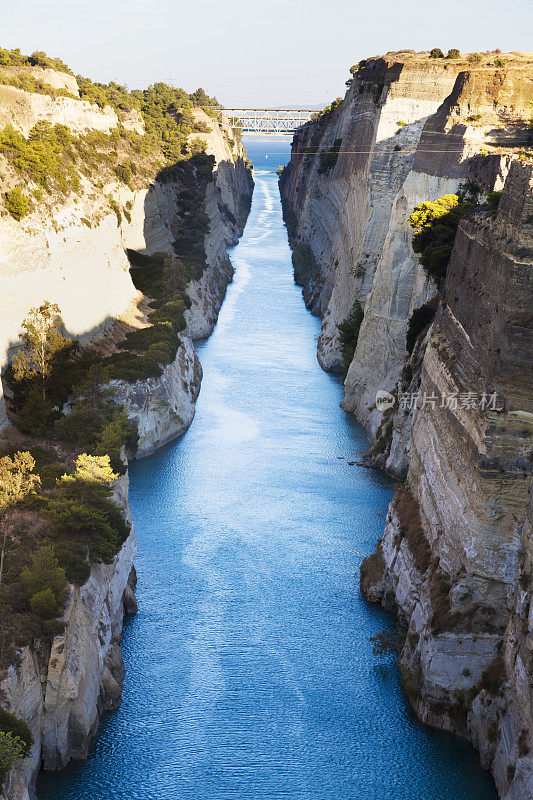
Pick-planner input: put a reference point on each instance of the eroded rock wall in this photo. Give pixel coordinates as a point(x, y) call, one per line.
point(61, 692)
point(409, 131)
point(461, 579)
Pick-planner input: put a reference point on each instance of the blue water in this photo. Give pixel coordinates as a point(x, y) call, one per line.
point(249, 668)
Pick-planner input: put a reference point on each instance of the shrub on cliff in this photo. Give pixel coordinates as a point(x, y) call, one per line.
point(349, 333)
point(16, 741)
point(435, 225)
point(436, 53)
point(419, 320)
point(474, 58)
point(453, 53)
point(18, 204)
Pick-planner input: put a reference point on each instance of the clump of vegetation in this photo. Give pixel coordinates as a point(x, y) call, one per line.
point(419, 321)
point(387, 643)
point(436, 53)
point(16, 741)
point(410, 527)
point(493, 677)
point(473, 118)
point(328, 159)
point(322, 117)
point(372, 568)
point(18, 204)
point(493, 201)
point(435, 225)
point(29, 83)
point(14, 58)
point(500, 62)
point(453, 53)
point(383, 433)
point(47, 157)
point(349, 333)
point(474, 58)
point(42, 338)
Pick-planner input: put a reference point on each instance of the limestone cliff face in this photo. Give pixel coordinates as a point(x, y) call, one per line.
point(74, 253)
point(456, 559)
point(61, 693)
point(408, 130)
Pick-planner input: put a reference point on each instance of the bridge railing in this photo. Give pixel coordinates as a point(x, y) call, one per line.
point(267, 120)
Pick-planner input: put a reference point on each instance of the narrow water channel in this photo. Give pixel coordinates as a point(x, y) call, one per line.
point(249, 669)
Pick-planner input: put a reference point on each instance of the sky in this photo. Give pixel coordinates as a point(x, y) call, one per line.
point(245, 52)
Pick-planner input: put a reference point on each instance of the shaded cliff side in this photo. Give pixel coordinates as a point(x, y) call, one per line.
point(409, 130)
point(74, 247)
point(455, 559)
point(456, 552)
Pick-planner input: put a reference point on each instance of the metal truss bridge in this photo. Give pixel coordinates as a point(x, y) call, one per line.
point(267, 120)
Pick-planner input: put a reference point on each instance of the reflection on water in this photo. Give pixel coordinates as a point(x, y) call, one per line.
point(249, 670)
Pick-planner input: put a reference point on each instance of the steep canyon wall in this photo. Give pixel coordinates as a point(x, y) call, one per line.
point(455, 558)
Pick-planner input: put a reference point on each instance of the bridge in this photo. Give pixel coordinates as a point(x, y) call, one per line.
point(268, 120)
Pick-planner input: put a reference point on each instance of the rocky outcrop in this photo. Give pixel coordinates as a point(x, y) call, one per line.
point(73, 253)
point(408, 130)
point(457, 556)
point(61, 692)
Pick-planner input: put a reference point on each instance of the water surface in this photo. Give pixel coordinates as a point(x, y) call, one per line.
point(249, 668)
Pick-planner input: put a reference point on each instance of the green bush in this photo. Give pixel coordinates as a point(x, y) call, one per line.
point(18, 204)
point(436, 53)
point(13, 728)
point(45, 574)
point(44, 604)
point(46, 157)
point(474, 58)
point(419, 320)
point(435, 224)
point(493, 200)
point(453, 53)
point(349, 333)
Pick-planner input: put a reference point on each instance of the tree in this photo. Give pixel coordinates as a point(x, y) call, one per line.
point(436, 53)
point(435, 225)
point(349, 333)
point(453, 53)
point(44, 578)
point(93, 469)
point(12, 752)
point(18, 204)
point(41, 340)
point(16, 481)
point(16, 478)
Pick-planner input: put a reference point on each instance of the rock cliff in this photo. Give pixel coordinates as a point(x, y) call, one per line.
point(73, 251)
point(455, 558)
point(409, 130)
point(61, 692)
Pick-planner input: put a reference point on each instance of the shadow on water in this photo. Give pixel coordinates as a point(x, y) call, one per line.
point(249, 668)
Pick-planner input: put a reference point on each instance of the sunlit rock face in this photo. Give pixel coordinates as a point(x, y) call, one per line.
point(455, 560)
point(73, 253)
point(410, 130)
point(469, 611)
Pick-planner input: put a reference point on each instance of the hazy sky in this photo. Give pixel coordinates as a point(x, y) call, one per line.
point(249, 52)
